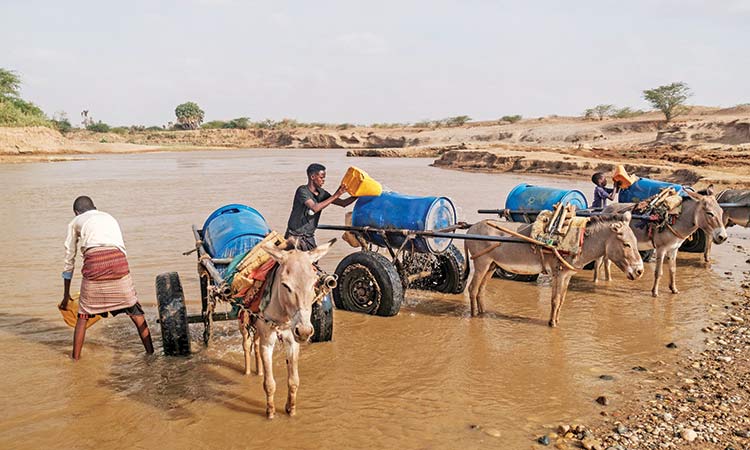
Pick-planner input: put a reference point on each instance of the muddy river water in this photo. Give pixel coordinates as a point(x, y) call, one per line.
point(417, 380)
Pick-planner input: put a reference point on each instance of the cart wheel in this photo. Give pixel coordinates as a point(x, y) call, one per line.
point(448, 274)
point(322, 320)
point(647, 255)
point(695, 245)
point(172, 314)
point(368, 283)
point(500, 273)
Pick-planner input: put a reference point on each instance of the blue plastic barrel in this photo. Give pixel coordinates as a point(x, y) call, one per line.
point(392, 210)
point(233, 230)
point(645, 188)
point(536, 198)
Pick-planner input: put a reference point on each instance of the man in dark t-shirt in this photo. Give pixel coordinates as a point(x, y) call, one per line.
point(309, 200)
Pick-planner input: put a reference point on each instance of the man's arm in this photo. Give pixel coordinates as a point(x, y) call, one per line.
point(344, 202)
point(71, 247)
point(317, 207)
point(613, 193)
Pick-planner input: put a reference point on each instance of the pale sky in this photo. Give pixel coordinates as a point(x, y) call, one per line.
point(132, 62)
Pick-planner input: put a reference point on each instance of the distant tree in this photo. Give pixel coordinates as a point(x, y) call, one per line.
point(599, 112)
point(457, 121)
point(512, 119)
point(189, 115)
point(10, 83)
point(86, 120)
point(669, 99)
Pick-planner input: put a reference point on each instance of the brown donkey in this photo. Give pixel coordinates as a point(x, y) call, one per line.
point(605, 235)
point(286, 319)
point(698, 211)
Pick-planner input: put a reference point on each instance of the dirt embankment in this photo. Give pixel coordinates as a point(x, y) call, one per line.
point(708, 145)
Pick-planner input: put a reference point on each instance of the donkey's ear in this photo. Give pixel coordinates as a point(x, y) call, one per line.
point(627, 217)
point(276, 253)
point(694, 195)
point(320, 251)
point(710, 189)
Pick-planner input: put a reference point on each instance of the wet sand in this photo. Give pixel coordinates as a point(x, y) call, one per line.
point(417, 380)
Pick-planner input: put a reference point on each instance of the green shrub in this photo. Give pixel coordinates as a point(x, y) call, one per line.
point(63, 125)
point(626, 112)
point(98, 127)
point(212, 125)
point(240, 123)
point(512, 119)
point(11, 116)
point(457, 121)
point(154, 128)
point(119, 130)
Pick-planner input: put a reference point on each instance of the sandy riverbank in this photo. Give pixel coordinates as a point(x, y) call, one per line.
point(709, 145)
point(698, 401)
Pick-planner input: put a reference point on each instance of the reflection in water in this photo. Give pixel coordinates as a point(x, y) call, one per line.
point(417, 380)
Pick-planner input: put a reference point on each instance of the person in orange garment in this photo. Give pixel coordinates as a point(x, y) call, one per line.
point(106, 286)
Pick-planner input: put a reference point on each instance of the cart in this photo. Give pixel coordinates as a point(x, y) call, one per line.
point(371, 283)
point(214, 290)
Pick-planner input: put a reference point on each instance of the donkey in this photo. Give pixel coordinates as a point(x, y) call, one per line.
point(605, 235)
point(286, 319)
point(732, 215)
point(698, 211)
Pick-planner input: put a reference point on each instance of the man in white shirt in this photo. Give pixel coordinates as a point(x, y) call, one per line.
point(107, 286)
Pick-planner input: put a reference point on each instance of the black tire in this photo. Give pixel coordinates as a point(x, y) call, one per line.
point(448, 270)
point(172, 315)
point(322, 320)
point(695, 245)
point(368, 283)
point(505, 275)
point(647, 255)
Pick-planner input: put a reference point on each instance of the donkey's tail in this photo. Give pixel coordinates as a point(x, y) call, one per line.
point(467, 269)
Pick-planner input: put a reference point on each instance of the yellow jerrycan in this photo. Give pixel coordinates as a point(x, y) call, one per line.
point(359, 184)
point(70, 314)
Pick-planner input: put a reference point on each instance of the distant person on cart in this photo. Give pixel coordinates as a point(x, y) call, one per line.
point(309, 200)
point(106, 286)
point(601, 192)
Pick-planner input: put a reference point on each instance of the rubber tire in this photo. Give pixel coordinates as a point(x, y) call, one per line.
point(695, 245)
point(647, 255)
point(322, 320)
point(385, 276)
point(452, 280)
point(173, 319)
point(500, 273)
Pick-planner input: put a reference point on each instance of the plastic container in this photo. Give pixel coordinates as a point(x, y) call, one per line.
point(233, 230)
point(537, 198)
point(359, 184)
point(392, 210)
point(645, 188)
point(70, 313)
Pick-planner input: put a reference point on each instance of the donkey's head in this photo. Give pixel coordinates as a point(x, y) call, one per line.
point(709, 215)
point(295, 285)
point(621, 245)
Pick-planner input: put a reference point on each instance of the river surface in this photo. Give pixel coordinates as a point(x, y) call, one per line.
point(417, 380)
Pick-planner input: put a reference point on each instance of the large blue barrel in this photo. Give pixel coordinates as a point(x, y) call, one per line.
point(392, 210)
point(536, 198)
point(233, 230)
point(645, 188)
